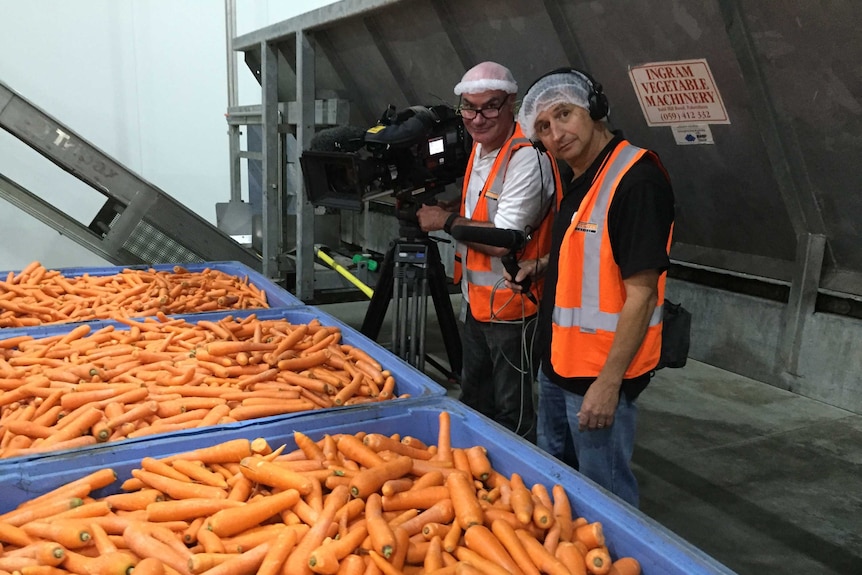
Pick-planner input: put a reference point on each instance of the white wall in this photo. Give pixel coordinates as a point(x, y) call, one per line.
point(144, 80)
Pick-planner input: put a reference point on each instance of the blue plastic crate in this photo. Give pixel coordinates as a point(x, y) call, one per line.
point(628, 531)
point(408, 380)
point(277, 297)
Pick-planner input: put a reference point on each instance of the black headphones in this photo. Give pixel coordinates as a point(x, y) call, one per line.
point(599, 107)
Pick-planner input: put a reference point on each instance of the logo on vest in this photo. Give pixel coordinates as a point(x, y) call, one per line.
point(587, 227)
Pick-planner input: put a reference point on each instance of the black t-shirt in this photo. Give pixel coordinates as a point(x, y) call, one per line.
point(639, 221)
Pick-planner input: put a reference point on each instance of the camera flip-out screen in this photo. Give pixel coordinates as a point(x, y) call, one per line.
point(436, 146)
point(333, 179)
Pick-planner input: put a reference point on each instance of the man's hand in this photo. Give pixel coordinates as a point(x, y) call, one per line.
point(432, 218)
point(600, 404)
point(529, 268)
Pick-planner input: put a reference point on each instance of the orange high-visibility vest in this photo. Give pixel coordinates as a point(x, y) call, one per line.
point(484, 272)
point(590, 291)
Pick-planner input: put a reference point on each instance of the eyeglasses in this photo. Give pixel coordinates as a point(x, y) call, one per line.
point(488, 112)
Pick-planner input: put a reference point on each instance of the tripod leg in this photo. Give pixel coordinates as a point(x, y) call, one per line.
point(376, 312)
point(445, 314)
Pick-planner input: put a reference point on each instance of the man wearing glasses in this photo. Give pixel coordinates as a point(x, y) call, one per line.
point(508, 185)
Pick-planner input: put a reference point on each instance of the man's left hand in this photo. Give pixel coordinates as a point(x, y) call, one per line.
point(599, 405)
point(432, 218)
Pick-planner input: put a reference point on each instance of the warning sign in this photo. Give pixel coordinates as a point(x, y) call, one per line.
point(678, 93)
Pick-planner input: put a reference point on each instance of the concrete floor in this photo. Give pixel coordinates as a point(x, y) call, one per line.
point(763, 480)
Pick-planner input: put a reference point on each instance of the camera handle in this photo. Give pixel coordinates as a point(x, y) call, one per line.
point(510, 262)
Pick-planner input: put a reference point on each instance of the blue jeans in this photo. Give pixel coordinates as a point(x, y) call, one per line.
point(492, 381)
point(603, 455)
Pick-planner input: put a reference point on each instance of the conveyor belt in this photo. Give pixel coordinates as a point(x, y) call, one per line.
point(138, 223)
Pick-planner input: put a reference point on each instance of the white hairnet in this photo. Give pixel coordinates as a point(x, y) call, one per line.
point(565, 87)
point(485, 77)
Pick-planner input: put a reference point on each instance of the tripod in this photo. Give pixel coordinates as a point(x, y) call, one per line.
point(412, 268)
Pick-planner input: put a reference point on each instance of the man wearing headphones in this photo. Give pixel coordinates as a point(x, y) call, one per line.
point(508, 185)
point(600, 322)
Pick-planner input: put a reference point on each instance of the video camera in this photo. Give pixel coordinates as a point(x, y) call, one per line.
point(411, 154)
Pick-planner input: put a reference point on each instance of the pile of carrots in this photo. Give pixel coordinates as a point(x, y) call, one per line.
point(163, 375)
point(37, 296)
point(346, 504)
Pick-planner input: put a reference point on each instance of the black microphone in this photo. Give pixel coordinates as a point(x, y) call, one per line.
point(512, 240)
point(497, 237)
point(337, 139)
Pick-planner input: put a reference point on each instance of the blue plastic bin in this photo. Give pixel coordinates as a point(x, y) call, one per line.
point(408, 380)
point(628, 531)
point(277, 297)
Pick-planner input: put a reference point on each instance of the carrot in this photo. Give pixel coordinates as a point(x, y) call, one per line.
point(16, 564)
point(441, 512)
point(562, 512)
point(468, 512)
point(200, 562)
point(275, 475)
point(552, 539)
point(625, 566)
point(297, 562)
point(278, 552)
point(140, 542)
point(521, 499)
point(381, 533)
point(444, 437)
point(115, 563)
point(44, 552)
point(348, 391)
point(178, 489)
point(543, 516)
point(28, 513)
point(433, 555)
point(569, 555)
point(598, 561)
point(233, 450)
point(480, 466)
point(416, 498)
point(460, 461)
point(161, 468)
point(94, 508)
point(230, 521)
point(70, 535)
point(148, 566)
point(393, 486)
point(211, 542)
point(304, 362)
point(379, 442)
point(430, 479)
point(371, 479)
point(308, 446)
point(486, 566)
point(98, 479)
point(221, 348)
point(512, 543)
point(351, 565)
point(325, 559)
point(101, 539)
point(383, 565)
point(199, 472)
point(352, 448)
point(484, 542)
point(590, 535)
point(190, 508)
point(545, 562)
point(246, 563)
point(15, 535)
